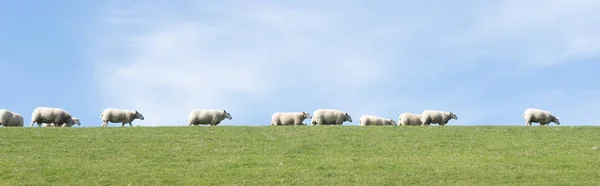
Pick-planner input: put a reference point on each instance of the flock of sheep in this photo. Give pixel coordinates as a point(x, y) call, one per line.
point(55, 117)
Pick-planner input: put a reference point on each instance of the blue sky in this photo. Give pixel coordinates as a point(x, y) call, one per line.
point(484, 61)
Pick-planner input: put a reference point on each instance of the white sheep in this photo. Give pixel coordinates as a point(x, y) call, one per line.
point(10, 119)
point(119, 116)
point(437, 117)
point(330, 117)
point(211, 117)
point(407, 119)
point(542, 117)
point(56, 116)
point(289, 118)
point(366, 120)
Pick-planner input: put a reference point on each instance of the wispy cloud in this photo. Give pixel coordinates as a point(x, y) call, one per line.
point(164, 58)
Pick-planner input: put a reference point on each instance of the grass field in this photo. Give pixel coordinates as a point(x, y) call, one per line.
point(321, 155)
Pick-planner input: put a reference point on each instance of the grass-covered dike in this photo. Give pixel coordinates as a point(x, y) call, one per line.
point(301, 155)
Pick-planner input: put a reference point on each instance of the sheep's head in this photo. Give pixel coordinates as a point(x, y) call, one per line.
point(306, 115)
point(227, 115)
point(347, 117)
point(139, 115)
point(74, 121)
point(453, 116)
point(556, 120)
point(392, 122)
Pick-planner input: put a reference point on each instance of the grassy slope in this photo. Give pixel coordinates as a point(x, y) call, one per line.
point(322, 155)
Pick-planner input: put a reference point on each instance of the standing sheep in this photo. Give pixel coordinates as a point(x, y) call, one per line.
point(407, 119)
point(119, 116)
point(10, 119)
point(212, 117)
point(366, 120)
point(56, 116)
point(330, 117)
point(542, 117)
point(437, 117)
point(289, 118)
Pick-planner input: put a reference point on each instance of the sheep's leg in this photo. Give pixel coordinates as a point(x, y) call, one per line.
point(123, 124)
point(425, 122)
point(130, 124)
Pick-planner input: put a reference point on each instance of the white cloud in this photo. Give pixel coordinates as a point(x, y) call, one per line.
point(541, 33)
point(178, 65)
point(252, 59)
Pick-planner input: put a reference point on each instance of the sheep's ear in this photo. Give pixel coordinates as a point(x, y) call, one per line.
point(224, 111)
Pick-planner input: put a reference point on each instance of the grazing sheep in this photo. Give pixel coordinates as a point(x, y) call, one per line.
point(10, 119)
point(289, 118)
point(366, 120)
point(437, 117)
point(212, 117)
point(330, 117)
point(407, 119)
point(54, 116)
point(120, 116)
point(542, 117)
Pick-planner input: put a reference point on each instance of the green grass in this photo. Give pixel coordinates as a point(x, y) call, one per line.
point(304, 155)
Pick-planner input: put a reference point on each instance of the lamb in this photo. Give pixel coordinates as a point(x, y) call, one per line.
point(56, 116)
point(10, 119)
point(75, 121)
point(48, 125)
point(330, 117)
point(119, 116)
point(437, 117)
point(366, 120)
point(407, 119)
point(542, 117)
point(212, 117)
point(289, 118)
